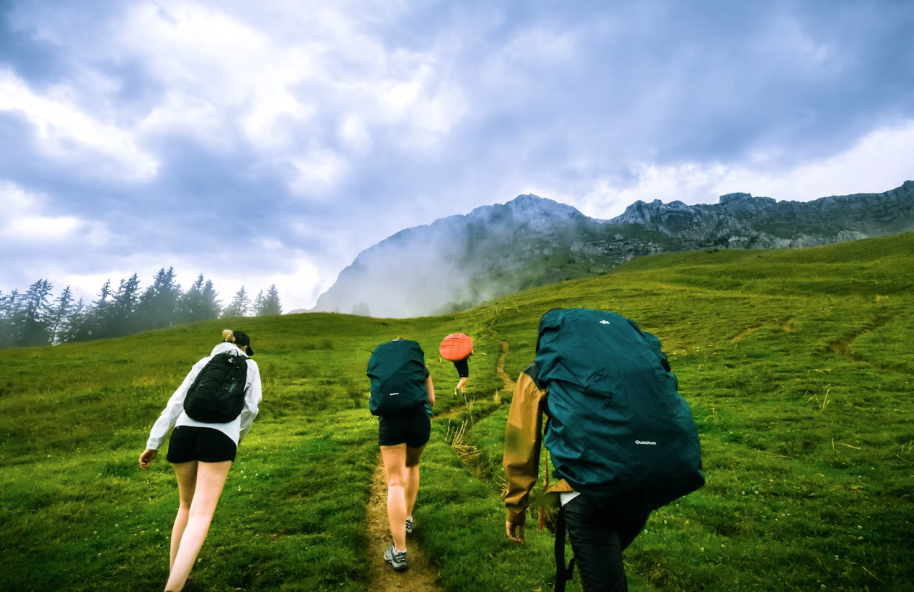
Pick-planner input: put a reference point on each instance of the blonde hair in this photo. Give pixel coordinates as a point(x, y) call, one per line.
point(228, 335)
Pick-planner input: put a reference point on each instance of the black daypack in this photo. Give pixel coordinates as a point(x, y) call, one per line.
point(217, 394)
point(397, 373)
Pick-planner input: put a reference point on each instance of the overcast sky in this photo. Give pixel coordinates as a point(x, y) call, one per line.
point(270, 142)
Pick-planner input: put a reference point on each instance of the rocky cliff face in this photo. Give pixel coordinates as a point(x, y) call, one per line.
point(459, 261)
point(742, 221)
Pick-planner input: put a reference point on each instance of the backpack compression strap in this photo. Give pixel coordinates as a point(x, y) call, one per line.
point(542, 509)
point(562, 575)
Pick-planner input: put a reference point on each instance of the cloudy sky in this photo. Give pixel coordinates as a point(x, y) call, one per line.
point(270, 142)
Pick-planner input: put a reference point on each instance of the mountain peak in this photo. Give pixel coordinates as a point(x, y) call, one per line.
point(733, 197)
point(529, 203)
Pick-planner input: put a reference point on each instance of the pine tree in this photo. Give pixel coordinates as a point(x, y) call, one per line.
point(60, 316)
point(74, 323)
point(212, 306)
point(271, 304)
point(123, 319)
point(4, 330)
point(258, 304)
point(240, 305)
point(9, 306)
point(96, 324)
point(159, 303)
point(35, 315)
point(103, 295)
point(190, 304)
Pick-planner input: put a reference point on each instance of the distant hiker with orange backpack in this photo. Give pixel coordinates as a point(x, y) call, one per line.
point(457, 348)
point(401, 396)
point(621, 439)
point(213, 410)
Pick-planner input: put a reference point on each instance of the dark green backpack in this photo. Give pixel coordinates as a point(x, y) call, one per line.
point(618, 430)
point(217, 393)
point(397, 373)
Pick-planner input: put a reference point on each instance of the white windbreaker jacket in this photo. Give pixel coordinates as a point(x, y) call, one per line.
point(174, 415)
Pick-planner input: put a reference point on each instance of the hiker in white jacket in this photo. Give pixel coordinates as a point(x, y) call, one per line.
point(201, 454)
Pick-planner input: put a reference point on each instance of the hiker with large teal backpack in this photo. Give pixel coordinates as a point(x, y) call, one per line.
point(621, 439)
point(401, 395)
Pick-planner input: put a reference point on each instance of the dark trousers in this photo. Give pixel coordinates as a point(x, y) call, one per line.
point(598, 536)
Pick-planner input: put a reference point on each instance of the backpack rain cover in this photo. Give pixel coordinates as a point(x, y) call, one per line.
point(456, 347)
point(397, 373)
point(618, 430)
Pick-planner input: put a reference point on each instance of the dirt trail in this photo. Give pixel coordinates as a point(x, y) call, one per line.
point(785, 325)
point(421, 575)
point(500, 367)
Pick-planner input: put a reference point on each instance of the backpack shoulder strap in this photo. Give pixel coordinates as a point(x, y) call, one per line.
point(200, 374)
point(562, 574)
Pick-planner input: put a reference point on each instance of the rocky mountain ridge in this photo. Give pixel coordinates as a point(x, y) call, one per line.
point(462, 260)
point(742, 221)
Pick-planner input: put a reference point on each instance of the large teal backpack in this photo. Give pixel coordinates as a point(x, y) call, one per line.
point(618, 431)
point(397, 373)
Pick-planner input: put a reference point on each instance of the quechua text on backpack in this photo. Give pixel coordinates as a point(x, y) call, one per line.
point(217, 393)
point(397, 374)
point(618, 430)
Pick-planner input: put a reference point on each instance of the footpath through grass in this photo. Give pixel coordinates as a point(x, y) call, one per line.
point(798, 366)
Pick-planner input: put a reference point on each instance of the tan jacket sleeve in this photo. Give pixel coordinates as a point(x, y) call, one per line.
point(523, 440)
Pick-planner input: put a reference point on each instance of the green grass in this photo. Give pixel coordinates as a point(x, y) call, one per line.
point(798, 367)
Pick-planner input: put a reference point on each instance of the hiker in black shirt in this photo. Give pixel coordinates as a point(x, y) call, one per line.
point(463, 371)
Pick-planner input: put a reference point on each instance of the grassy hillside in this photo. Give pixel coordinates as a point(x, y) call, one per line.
point(798, 366)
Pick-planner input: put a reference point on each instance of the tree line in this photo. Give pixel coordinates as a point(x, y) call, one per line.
point(36, 317)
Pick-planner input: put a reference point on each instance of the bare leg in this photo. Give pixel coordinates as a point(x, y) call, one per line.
point(186, 474)
point(460, 384)
point(394, 458)
point(210, 480)
point(412, 478)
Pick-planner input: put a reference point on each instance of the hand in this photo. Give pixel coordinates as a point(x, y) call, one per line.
point(147, 457)
point(515, 532)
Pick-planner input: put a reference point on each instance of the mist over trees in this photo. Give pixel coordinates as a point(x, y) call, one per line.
point(36, 317)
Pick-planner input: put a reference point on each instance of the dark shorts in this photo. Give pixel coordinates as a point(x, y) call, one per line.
point(463, 368)
point(413, 431)
point(190, 443)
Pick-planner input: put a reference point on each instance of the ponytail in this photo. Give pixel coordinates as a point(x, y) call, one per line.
point(228, 335)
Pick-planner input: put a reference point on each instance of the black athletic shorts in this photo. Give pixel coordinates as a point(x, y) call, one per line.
point(463, 368)
point(189, 443)
point(413, 431)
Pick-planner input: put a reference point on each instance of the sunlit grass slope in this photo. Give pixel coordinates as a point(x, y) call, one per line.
point(798, 366)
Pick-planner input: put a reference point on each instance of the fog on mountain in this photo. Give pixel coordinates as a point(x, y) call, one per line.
point(460, 261)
